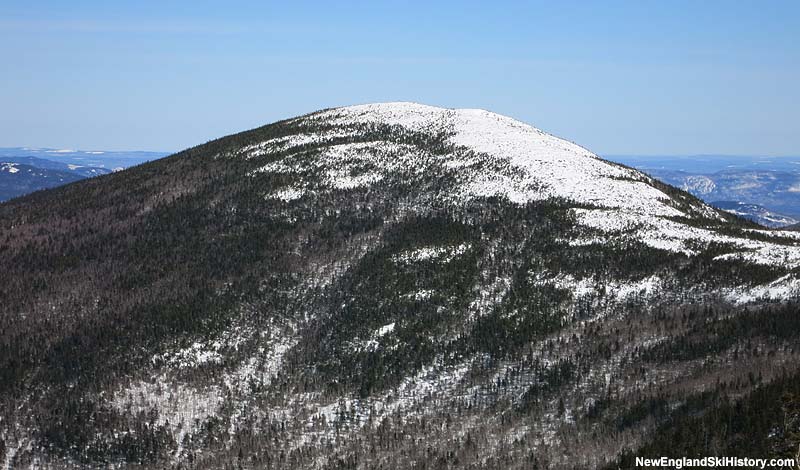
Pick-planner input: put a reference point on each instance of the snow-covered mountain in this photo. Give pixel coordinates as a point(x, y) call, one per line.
point(389, 285)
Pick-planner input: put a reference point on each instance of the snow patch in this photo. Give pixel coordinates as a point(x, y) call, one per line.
point(179, 407)
point(669, 235)
point(288, 194)
point(384, 330)
point(9, 167)
point(786, 287)
point(442, 254)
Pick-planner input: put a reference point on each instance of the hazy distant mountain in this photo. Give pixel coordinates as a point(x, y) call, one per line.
point(17, 179)
point(71, 168)
point(756, 213)
point(112, 160)
point(706, 164)
point(770, 182)
point(24, 170)
point(390, 286)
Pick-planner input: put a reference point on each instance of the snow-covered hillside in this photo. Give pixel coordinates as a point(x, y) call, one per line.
point(379, 286)
point(536, 165)
point(526, 164)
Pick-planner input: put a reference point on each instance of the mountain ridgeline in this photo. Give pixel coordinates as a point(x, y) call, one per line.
point(390, 286)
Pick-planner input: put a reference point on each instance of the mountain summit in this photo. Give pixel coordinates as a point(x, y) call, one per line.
point(389, 286)
point(492, 155)
point(480, 154)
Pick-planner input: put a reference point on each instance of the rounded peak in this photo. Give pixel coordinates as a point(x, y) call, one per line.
point(411, 106)
point(392, 108)
point(391, 105)
point(419, 116)
point(537, 165)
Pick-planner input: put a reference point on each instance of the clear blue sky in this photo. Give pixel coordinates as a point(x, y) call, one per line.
point(636, 77)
